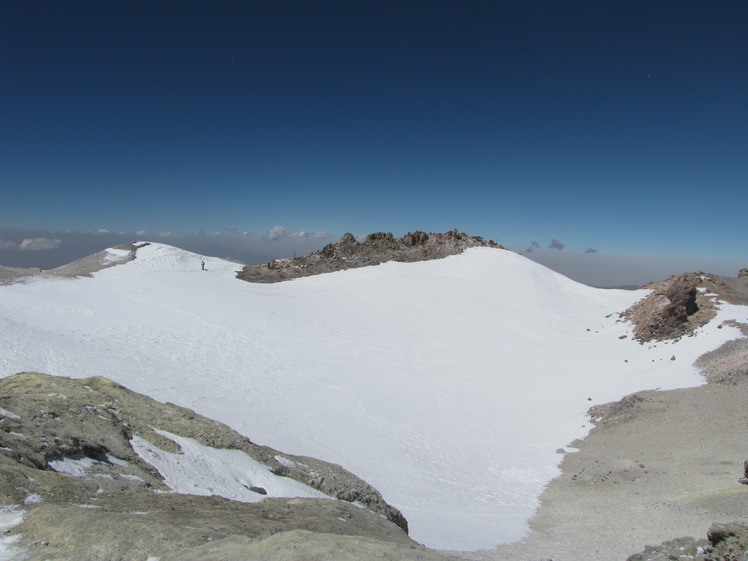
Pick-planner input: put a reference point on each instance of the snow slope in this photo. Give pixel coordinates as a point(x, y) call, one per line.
point(449, 385)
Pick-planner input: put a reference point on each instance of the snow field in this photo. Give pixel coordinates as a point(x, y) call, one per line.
point(10, 517)
point(203, 470)
point(448, 385)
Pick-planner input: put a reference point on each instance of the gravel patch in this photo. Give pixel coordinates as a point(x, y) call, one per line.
point(658, 465)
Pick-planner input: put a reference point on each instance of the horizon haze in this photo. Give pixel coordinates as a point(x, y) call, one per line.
point(47, 250)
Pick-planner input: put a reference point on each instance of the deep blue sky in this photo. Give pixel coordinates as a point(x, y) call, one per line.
point(620, 126)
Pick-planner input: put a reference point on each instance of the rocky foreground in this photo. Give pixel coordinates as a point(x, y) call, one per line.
point(116, 505)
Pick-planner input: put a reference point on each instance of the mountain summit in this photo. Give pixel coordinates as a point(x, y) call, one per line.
point(376, 248)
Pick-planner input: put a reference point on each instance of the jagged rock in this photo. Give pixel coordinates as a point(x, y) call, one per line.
point(736, 532)
point(377, 236)
point(348, 240)
point(94, 515)
point(377, 248)
point(682, 296)
point(415, 238)
point(674, 308)
point(742, 273)
point(725, 542)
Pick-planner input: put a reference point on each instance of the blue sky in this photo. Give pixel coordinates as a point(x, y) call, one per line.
point(617, 126)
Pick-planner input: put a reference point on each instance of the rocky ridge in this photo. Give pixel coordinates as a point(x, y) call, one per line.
point(377, 248)
point(95, 514)
point(682, 303)
point(78, 268)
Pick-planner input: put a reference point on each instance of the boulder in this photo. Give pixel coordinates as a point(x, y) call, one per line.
point(674, 308)
point(415, 238)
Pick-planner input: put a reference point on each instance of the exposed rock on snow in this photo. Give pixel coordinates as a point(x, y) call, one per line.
point(682, 303)
point(66, 453)
point(674, 308)
point(377, 248)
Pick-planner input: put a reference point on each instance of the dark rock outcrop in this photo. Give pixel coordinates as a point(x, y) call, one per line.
point(376, 248)
point(674, 308)
point(725, 542)
point(682, 303)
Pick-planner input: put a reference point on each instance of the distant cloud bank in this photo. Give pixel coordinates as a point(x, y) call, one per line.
point(279, 233)
point(31, 244)
point(47, 249)
point(606, 270)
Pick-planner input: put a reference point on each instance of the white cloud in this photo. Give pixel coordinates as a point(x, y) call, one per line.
point(8, 245)
point(39, 244)
point(314, 235)
point(279, 232)
point(141, 233)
